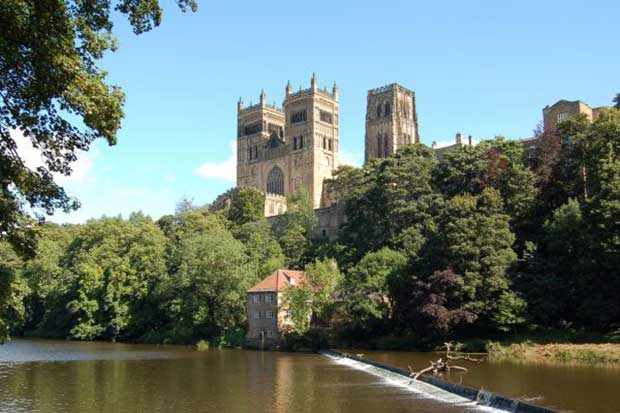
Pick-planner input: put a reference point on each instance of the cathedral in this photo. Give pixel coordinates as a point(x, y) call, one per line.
point(283, 149)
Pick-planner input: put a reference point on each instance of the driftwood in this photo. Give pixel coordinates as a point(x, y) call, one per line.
point(443, 364)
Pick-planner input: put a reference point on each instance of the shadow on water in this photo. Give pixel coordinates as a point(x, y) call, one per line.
point(55, 376)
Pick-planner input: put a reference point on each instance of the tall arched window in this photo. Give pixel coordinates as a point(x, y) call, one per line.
point(379, 145)
point(388, 109)
point(275, 181)
point(379, 110)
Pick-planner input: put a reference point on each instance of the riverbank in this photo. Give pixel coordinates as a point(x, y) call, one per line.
point(532, 352)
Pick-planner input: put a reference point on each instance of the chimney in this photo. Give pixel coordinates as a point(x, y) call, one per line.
point(459, 138)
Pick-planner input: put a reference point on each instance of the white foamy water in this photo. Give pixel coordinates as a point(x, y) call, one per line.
point(420, 388)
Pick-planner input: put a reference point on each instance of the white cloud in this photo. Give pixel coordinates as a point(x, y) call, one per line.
point(443, 144)
point(33, 159)
point(351, 158)
point(224, 170)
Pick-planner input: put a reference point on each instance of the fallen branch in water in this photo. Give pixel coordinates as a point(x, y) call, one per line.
point(444, 364)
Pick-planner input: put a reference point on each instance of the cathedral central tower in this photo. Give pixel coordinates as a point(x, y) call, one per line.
point(391, 120)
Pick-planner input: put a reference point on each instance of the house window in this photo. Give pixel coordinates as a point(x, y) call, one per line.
point(329, 144)
point(257, 315)
point(256, 298)
point(268, 298)
point(294, 142)
point(269, 314)
point(299, 116)
point(270, 333)
point(379, 110)
point(562, 117)
point(324, 142)
point(326, 117)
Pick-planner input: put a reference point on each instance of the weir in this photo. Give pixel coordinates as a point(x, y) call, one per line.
point(437, 388)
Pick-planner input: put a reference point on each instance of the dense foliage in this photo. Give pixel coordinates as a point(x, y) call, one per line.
point(487, 239)
point(55, 98)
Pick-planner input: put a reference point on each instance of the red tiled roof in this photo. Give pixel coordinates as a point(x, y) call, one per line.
point(279, 280)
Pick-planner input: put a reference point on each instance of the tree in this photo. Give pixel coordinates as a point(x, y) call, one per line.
point(262, 248)
point(392, 193)
point(497, 163)
point(616, 100)
point(54, 96)
point(437, 306)
point(12, 292)
point(296, 227)
point(371, 285)
point(205, 294)
point(113, 265)
point(476, 242)
point(314, 296)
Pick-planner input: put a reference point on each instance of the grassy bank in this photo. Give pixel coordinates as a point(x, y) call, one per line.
point(586, 353)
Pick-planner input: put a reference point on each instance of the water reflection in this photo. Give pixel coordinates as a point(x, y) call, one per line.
point(565, 386)
point(44, 376)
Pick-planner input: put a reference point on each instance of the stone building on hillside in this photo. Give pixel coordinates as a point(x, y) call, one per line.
point(268, 315)
point(561, 110)
point(281, 150)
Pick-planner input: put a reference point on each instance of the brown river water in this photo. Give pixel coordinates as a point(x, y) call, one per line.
point(72, 377)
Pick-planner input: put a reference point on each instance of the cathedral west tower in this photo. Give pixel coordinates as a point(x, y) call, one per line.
point(281, 150)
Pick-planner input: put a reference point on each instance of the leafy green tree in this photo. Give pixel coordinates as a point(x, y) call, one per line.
point(616, 101)
point(262, 248)
point(48, 280)
point(296, 227)
point(113, 265)
point(314, 296)
point(498, 163)
point(12, 291)
point(322, 278)
point(392, 193)
point(205, 295)
point(476, 243)
point(248, 205)
point(299, 303)
point(53, 95)
point(370, 286)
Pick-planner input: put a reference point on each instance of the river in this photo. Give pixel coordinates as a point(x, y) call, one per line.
point(60, 376)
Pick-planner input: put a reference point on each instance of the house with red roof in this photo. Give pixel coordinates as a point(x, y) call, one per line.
point(268, 316)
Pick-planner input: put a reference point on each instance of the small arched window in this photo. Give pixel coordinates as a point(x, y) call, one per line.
point(275, 181)
point(379, 110)
point(388, 109)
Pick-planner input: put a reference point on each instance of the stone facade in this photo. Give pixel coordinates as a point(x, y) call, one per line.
point(267, 313)
point(556, 113)
point(391, 120)
point(281, 150)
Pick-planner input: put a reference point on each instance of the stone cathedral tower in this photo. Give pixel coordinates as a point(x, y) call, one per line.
point(280, 150)
point(391, 120)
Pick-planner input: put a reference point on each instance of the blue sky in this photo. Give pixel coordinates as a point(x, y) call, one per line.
point(479, 67)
